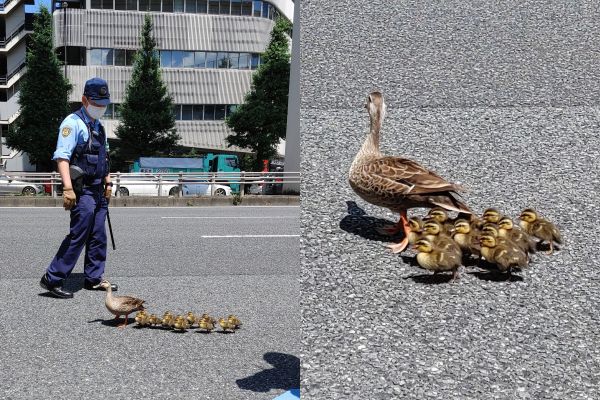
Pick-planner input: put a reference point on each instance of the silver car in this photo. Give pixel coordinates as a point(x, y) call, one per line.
point(8, 185)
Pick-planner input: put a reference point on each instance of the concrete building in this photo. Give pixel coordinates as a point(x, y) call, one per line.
point(15, 27)
point(208, 51)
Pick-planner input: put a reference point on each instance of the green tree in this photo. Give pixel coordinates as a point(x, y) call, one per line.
point(147, 126)
point(260, 122)
point(43, 98)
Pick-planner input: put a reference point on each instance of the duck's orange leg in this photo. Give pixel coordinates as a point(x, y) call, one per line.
point(124, 324)
point(404, 227)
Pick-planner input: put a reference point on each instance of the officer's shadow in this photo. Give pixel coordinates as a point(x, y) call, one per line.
point(285, 374)
point(73, 284)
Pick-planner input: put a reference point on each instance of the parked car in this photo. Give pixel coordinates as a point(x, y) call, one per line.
point(203, 188)
point(145, 186)
point(8, 185)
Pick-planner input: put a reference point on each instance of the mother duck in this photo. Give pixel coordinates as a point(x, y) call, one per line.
point(397, 183)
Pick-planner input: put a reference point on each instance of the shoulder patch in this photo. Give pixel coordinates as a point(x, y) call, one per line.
point(66, 131)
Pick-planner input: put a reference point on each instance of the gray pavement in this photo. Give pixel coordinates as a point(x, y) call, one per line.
point(503, 98)
point(70, 348)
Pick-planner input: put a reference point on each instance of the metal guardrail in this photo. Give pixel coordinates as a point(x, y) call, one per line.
point(266, 180)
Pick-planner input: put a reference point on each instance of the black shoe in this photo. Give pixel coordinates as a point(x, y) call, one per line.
point(55, 290)
point(96, 286)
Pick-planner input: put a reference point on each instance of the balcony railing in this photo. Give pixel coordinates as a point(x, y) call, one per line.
point(13, 34)
point(4, 79)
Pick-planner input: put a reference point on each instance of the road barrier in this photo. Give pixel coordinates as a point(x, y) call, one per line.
point(156, 184)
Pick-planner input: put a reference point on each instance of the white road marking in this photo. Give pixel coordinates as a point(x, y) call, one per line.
point(245, 236)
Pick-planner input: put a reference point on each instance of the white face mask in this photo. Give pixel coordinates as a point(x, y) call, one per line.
point(95, 112)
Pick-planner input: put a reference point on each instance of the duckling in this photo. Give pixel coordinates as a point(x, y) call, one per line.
point(440, 215)
point(435, 259)
point(416, 230)
point(121, 305)
point(491, 215)
point(539, 227)
point(503, 255)
point(191, 318)
point(226, 326)
point(233, 320)
point(154, 320)
point(142, 318)
point(181, 323)
point(208, 318)
point(168, 320)
point(432, 231)
point(466, 237)
point(206, 324)
point(506, 229)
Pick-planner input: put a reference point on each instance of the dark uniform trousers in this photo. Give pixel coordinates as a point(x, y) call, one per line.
point(87, 229)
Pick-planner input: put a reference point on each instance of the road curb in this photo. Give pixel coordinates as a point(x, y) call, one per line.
point(19, 201)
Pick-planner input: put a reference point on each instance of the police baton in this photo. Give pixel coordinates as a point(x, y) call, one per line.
point(112, 238)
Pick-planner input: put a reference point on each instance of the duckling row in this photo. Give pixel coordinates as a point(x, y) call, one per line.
point(204, 322)
point(444, 244)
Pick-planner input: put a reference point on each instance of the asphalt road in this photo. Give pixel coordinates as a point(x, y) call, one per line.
point(503, 97)
point(176, 259)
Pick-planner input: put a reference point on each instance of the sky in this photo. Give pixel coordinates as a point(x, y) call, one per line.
point(35, 8)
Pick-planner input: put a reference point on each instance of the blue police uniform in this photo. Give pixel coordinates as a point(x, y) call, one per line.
point(84, 143)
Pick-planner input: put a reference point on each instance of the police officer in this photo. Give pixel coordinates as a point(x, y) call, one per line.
point(83, 163)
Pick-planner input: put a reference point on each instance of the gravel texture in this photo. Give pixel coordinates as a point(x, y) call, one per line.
point(503, 99)
point(71, 349)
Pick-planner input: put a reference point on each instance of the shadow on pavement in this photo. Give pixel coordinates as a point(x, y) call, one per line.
point(358, 223)
point(74, 283)
point(114, 322)
point(285, 374)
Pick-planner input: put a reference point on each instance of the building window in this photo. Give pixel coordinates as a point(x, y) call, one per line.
point(167, 6)
point(120, 57)
point(177, 59)
point(132, 5)
point(234, 59)
point(190, 6)
point(177, 112)
point(255, 61)
point(107, 4)
point(96, 4)
point(236, 7)
point(187, 112)
point(199, 59)
point(220, 112)
point(178, 6)
point(131, 57)
point(154, 5)
point(211, 60)
point(165, 58)
point(198, 112)
point(265, 10)
point(246, 7)
point(209, 112)
point(257, 9)
point(109, 112)
point(188, 59)
point(101, 57)
point(244, 61)
point(144, 5)
point(213, 6)
point(116, 111)
point(222, 60)
point(224, 7)
point(202, 6)
point(120, 4)
point(231, 109)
